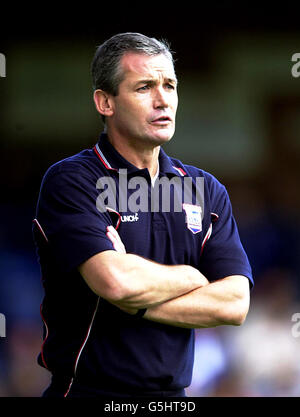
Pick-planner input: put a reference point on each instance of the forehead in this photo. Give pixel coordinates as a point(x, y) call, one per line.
point(137, 65)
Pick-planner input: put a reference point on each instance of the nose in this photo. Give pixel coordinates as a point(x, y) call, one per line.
point(160, 100)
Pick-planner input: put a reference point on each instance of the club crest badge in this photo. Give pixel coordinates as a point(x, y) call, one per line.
point(193, 217)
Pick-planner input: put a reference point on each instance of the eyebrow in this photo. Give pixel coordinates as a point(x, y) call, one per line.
point(152, 81)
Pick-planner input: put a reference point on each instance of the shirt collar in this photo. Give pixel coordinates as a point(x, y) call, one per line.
point(114, 161)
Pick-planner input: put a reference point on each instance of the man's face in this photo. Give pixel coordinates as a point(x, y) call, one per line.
point(146, 104)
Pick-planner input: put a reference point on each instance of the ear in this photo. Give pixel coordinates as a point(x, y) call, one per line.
point(103, 103)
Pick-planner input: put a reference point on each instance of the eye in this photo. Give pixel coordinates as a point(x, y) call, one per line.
point(170, 86)
point(144, 88)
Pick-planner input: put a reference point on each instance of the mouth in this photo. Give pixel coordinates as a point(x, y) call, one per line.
point(161, 121)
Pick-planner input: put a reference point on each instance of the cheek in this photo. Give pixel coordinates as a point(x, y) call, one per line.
point(175, 103)
point(130, 116)
point(133, 108)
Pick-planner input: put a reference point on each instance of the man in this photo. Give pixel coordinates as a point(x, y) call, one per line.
point(124, 290)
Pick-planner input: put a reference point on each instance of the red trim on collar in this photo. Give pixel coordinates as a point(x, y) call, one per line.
point(101, 159)
point(180, 170)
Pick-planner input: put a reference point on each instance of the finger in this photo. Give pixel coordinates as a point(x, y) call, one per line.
point(115, 234)
point(112, 238)
point(113, 231)
point(116, 241)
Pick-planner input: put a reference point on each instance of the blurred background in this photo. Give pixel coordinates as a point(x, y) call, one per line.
point(238, 118)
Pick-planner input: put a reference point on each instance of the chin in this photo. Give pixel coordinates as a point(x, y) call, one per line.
point(159, 140)
point(163, 136)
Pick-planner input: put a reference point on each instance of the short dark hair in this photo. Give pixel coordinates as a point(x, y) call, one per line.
point(105, 68)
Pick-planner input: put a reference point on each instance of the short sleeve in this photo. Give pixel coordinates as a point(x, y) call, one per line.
point(223, 253)
point(68, 216)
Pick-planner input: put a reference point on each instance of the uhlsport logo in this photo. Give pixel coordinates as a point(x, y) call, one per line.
point(2, 325)
point(2, 65)
point(130, 218)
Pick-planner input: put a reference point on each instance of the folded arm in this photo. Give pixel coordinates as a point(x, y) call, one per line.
point(132, 282)
point(222, 302)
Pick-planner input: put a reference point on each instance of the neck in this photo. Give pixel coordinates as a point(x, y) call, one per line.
point(136, 152)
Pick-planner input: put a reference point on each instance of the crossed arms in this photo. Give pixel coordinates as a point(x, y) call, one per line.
point(177, 295)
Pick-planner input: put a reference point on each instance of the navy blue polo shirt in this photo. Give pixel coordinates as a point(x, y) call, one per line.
point(90, 345)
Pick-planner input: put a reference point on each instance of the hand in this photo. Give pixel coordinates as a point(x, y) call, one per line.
point(114, 237)
point(203, 280)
